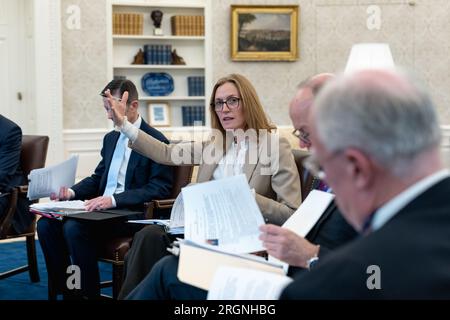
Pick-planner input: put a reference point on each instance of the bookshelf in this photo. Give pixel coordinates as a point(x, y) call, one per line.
point(194, 49)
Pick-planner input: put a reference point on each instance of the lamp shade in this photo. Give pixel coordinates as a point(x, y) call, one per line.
point(370, 56)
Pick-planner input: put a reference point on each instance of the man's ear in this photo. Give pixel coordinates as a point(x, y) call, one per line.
point(360, 168)
point(135, 104)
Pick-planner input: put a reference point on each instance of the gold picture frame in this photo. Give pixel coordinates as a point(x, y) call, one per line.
point(159, 114)
point(278, 41)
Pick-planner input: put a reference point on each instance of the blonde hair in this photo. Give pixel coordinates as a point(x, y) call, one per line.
point(254, 114)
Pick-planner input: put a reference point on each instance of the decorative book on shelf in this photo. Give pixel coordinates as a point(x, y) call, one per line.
point(158, 53)
point(128, 23)
point(193, 115)
point(196, 86)
point(188, 25)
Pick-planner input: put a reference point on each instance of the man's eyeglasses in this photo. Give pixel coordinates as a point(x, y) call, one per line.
point(231, 102)
point(313, 166)
point(302, 135)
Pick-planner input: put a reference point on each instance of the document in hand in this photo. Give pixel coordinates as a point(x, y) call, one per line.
point(42, 182)
point(230, 283)
point(307, 215)
point(224, 213)
point(211, 258)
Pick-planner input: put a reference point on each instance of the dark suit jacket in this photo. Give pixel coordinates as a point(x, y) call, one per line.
point(11, 174)
point(145, 179)
point(412, 251)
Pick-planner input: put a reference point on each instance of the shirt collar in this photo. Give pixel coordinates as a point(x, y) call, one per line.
point(138, 122)
point(393, 206)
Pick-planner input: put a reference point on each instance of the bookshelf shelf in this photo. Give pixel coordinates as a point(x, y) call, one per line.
point(171, 98)
point(156, 66)
point(194, 49)
point(148, 37)
point(159, 4)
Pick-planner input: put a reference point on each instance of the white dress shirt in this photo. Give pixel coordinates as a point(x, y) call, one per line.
point(123, 167)
point(232, 163)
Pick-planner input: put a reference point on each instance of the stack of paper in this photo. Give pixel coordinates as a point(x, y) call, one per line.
point(211, 257)
point(224, 213)
point(56, 209)
point(43, 182)
point(221, 212)
point(237, 276)
point(161, 222)
point(231, 283)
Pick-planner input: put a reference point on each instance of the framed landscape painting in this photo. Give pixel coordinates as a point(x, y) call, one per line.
point(264, 33)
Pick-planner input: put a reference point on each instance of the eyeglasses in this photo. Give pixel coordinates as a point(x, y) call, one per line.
point(312, 164)
point(231, 102)
point(302, 135)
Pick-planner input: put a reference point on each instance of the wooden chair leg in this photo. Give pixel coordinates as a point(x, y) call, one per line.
point(32, 259)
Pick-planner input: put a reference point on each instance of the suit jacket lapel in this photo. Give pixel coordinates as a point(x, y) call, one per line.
point(250, 160)
point(133, 161)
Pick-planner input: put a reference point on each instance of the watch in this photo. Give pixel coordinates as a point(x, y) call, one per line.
point(311, 262)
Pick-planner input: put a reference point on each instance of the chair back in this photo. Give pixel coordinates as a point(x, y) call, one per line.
point(306, 178)
point(32, 156)
point(182, 176)
point(34, 152)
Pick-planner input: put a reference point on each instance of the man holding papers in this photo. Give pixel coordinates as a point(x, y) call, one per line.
point(122, 179)
point(331, 230)
point(387, 173)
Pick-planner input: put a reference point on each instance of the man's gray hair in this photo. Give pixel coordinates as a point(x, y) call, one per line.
point(385, 114)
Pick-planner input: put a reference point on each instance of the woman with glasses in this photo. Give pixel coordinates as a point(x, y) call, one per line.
point(243, 141)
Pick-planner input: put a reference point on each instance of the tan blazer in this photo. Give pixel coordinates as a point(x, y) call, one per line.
point(277, 194)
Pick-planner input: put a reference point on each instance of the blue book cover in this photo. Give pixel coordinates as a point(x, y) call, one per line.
point(152, 54)
point(158, 54)
point(190, 86)
point(190, 117)
point(202, 86)
point(164, 58)
point(195, 86)
point(147, 51)
point(184, 115)
point(169, 54)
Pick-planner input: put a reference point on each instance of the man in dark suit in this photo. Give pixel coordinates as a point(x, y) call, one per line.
point(330, 231)
point(386, 171)
point(122, 179)
point(11, 174)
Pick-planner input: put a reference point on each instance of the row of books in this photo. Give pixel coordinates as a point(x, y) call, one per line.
point(193, 115)
point(128, 23)
point(188, 25)
point(158, 53)
point(196, 86)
